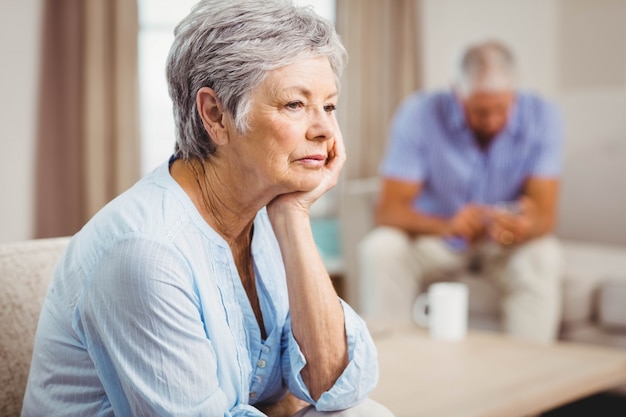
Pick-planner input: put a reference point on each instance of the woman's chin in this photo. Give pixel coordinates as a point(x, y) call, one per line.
point(306, 184)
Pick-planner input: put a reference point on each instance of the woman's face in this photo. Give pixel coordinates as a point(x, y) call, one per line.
point(292, 128)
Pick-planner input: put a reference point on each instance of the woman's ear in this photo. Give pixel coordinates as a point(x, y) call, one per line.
point(211, 112)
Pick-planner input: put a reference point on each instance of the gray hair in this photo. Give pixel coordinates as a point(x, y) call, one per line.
point(486, 66)
point(231, 46)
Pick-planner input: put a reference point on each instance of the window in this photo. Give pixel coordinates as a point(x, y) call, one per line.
point(157, 19)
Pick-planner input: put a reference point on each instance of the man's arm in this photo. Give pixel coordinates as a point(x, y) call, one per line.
point(543, 193)
point(395, 208)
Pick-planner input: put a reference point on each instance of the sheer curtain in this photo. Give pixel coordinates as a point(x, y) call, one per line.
point(383, 40)
point(88, 135)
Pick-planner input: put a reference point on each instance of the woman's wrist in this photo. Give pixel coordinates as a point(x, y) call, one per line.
point(287, 214)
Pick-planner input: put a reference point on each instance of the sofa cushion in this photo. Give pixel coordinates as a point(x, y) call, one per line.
point(612, 304)
point(587, 267)
point(579, 300)
point(25, 273)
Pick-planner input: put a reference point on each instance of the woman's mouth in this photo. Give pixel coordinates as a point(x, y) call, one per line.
point(313, 160)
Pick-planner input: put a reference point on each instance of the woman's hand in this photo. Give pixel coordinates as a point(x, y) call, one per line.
point(302, 200)
point(317, 316)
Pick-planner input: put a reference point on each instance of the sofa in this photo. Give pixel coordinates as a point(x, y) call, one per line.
point(25, 272)
point(594, 280)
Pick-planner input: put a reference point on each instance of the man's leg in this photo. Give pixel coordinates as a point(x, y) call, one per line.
point(387, 280)
point(392, 266)
point(530, 276)
point(368, 408)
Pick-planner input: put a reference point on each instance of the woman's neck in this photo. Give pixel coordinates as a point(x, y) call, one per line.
point(223, 203)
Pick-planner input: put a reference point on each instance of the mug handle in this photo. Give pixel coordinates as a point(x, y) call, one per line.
point(419, 310)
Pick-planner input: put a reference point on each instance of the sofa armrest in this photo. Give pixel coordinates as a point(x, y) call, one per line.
point(25, 273)
point(612, 304)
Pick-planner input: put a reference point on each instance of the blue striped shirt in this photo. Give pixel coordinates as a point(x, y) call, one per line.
point(430, 143)
point(146, 316)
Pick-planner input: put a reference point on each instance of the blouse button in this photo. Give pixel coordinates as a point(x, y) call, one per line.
point(261, 363)
point(252, 394)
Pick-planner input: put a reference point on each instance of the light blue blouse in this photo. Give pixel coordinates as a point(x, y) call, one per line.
point(147, 316)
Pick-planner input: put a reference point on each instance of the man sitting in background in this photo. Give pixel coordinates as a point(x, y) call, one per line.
point(470, 180)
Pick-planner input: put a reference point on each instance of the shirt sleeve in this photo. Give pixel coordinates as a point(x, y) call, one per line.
point(405, 158)
point(142, 325)
point(548, 150)
point(358, 379)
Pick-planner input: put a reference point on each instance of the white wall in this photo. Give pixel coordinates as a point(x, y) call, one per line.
point(592, 95)
point(19, 43)
point(574, 52)
point(527, 26)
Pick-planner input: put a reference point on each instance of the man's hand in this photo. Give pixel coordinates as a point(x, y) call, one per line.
point(509, 227)
point(468, 223)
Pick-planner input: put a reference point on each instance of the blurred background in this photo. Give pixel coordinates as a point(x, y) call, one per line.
point(85, 110)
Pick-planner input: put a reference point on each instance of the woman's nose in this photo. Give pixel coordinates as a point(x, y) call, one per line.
point(321, 125)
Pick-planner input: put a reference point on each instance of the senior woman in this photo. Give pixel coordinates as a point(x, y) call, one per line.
point(199, 291)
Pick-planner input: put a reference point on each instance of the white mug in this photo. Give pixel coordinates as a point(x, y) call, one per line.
point(447, 310)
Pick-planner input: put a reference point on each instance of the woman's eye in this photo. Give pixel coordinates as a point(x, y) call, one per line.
point(294, 105)
point(329, 108)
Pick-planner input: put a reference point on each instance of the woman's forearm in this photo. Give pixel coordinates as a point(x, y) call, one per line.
point(317, 317)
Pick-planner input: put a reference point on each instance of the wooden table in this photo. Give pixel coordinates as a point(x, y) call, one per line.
point(488, 374)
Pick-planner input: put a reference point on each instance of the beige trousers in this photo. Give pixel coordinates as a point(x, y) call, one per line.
point(394, 268)
point(368, 408)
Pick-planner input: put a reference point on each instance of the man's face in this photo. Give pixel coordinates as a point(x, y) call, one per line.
point(487, 112)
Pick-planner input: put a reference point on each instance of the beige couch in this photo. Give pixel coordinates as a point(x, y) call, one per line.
point(25, 272)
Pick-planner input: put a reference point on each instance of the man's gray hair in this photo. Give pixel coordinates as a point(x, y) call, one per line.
point(486, 66)
point(230, 46)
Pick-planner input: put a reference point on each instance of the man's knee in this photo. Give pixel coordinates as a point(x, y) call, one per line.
point(532, 305)
point(383, 242)
point(546, 247)
point(543, 256)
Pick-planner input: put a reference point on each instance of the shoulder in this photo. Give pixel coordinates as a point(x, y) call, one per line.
point(537, 118)
point(422, 102)
point(425, 109)
point(128, 258)
point(148, 226)
point(534, 107)
point(151, 207)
